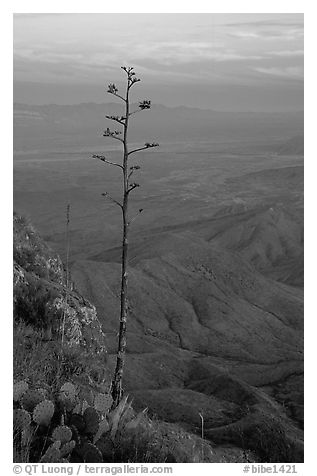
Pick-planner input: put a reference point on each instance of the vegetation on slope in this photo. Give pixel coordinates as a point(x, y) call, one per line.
point(42, 366)
point(62, 408)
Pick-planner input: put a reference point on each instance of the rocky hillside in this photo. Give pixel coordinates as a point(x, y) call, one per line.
point(41, 298)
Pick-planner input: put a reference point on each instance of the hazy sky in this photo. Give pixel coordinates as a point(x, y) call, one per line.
point(220, 61)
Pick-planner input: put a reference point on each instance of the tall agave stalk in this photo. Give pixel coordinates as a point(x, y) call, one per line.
point(67, 286)
point(128, 187)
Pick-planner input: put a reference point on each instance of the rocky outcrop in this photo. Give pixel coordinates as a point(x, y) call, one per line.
point(41, 297)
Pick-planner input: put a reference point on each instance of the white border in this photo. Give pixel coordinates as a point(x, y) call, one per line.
point(286, 6)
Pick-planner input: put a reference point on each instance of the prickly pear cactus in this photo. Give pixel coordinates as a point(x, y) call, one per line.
point(52, 454)
point(77, 408)
point(105, 446)
point(80, 407)
point(78, 422)
point(81, 432)
point(19, 388)
point(62, 433)
point(91, 454)
point(67, 448)
point(92, 419)
point(58, 453)
point(68, 390)
point(87, 395)
point(68, 396)
point(103, 402)
point(43, 412)
point(30, 399)
point(21, 419)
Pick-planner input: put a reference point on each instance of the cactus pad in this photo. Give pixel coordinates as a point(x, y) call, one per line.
point(68, 390)
point(105, 446)
point(67, 448)
point(103, 402)
point(68, 396)
point(91, 418)
point(30, 399)
point(91, 454)
point(43, 412)
point(77, 421)
point(52, 454)
point(21, 419)
point(87, 394)
point(62, 433)
point(66, 403)
point(44, 392)
point(77, 408)
point(19, 388)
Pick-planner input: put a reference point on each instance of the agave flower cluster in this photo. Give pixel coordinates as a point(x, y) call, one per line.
point(112, 88)
point(146, 104)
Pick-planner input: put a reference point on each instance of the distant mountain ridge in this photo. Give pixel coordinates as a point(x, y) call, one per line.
point(56, 123)
point(294, 146)
point(181, 108)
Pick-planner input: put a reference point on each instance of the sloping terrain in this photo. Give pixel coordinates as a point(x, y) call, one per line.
point(271, 240)
point(268, 237)
point(216, 304)
point(263, 223)
point(295, 146)
point(202, 299)
point(44, 363)
point(41, 298)
point(216, 317)
point(206, 332)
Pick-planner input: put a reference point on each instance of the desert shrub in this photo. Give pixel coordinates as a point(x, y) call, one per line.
point(43, 361)
point(32, 254)
point(269, 441)
point(31, 301)
point(27, 247)
point(76, 362)
point(140, 444)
